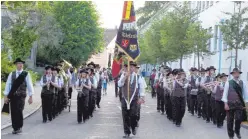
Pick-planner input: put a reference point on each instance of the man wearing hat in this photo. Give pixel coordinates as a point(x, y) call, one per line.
point(151, 82)
point(99, 85)
point(123, 70)
point(219, 105)
point(83, 85)
point(234, 97)
point(193, 91)
point(130, 99)
point(92, 93)
point(201, 94)
point(15, 92)
point(156, 86)
point(161, 88)
point(168, 84)
point(55, 109)
point(48, 83)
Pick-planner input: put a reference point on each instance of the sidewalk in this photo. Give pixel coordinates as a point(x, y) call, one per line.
point(28, 109)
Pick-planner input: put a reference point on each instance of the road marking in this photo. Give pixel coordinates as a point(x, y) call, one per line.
point(109, 117)
point(98, 137)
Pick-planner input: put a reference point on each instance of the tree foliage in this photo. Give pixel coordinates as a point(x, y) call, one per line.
point(150, 9)
point(174, 37)
point(235, 30)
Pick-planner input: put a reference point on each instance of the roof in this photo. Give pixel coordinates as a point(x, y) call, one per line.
point(109, 35)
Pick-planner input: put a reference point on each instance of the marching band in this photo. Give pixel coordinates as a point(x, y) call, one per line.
point(206, 94)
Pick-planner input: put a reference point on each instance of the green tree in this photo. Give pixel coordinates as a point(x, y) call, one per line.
point(174, 30)
point(149, 10)
point(235, 30)
point(20, 37)
point(199, 39)
point(79, 22)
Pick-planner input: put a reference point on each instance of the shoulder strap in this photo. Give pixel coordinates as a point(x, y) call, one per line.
point(16, 84)
point(238, 90)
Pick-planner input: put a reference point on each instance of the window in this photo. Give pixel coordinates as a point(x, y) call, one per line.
point(207, 5)
point(215, 37)
point(211, 3)
point(203, 6)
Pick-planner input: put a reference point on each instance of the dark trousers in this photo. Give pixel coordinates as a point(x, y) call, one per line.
point(213, 108)
point(234, 114)
point(180, 104)
point(173, 108)
point(59, 102)
point(168, 106)
point(220, 112)
point(153, 91)
point(46, 101)
point(120, 94)
point(16, 109)
point(116, 89)
point(129, 116)
point(98, 96)
point(207, 107)
point(159, 98)
point(69, 92)
point(138, 111)
point(162, 100)
point(193, 104)
point(82, 108)
point(188, 101)
point(200, 105)
point(54, 104)
point(92, 102)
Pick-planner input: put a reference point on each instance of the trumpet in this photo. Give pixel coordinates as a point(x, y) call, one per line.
point(211, 84)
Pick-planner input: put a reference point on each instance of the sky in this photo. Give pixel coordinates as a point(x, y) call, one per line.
point(111, 11)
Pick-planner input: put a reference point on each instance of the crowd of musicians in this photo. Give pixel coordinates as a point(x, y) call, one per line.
point(209, 96)
point(58, 84)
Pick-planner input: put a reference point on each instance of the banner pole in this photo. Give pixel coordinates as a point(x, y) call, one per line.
point(128, 79)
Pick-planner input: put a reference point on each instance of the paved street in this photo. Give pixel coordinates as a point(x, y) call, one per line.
point(107, 124)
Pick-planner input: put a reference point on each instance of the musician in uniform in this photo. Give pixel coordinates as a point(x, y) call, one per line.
point(60, 90)
point(164, 71)
point(99, 85)
point(156, 85)
point(130, 100)
point(92, 94)
point(193, 91)
point(179, 96)
point(168, 86)
point(200, 94)
point(15, 92)
point(83, 85)
point(48, 83)
point(219, 105)
point(234, 97)
point(174, 73)
point(72, 80)
point(151, 82)
point(123, 70)
point(55, 72)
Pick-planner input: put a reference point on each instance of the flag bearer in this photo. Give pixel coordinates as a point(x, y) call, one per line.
point(130, 100)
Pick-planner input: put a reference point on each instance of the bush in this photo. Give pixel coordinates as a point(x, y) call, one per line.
point(6, 66)
point(2, 88)
point(34, 76)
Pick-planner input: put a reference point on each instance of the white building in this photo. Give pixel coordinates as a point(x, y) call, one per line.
point(211, 15)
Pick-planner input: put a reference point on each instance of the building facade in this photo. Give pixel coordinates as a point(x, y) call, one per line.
point(211, 15)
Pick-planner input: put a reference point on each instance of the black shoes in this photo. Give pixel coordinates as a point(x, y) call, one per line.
point(238, 136)
point(44, 121)
point(17, 131)
point(126, 136)
point(134, 131)
point(98, 106)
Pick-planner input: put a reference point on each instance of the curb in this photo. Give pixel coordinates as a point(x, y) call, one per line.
point(244, 126)
point(25, 116)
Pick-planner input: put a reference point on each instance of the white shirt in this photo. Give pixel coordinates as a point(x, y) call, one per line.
point(28, 81)
point(49, 78)
point(141, 82)
point(84, 80)
point(226, 89)
point(97, 76)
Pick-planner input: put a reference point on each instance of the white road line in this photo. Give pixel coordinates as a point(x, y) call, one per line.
point(107, 125)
